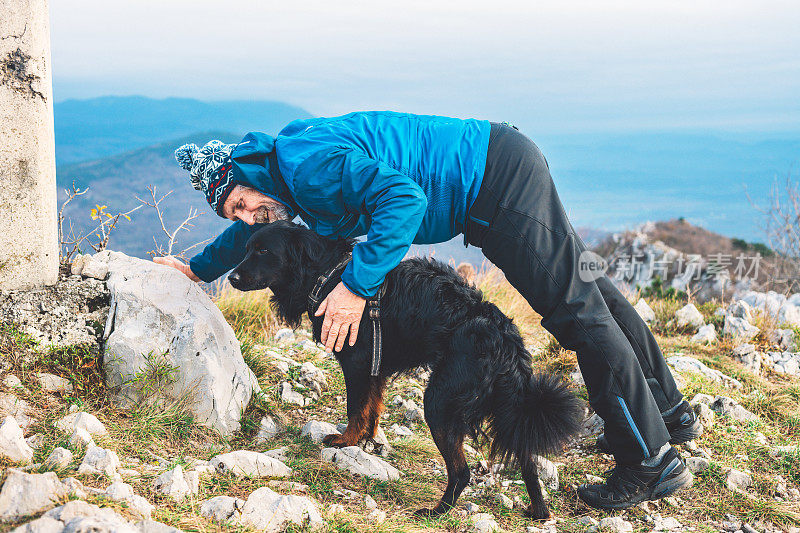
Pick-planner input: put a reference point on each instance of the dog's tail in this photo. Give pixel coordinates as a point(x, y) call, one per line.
point(519, 413)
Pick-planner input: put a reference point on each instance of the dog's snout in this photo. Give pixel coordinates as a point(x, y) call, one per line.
point(234, 278)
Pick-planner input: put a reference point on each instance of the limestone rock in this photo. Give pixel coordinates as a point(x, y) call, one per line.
point(83, 420)
point(222, 508)
point(736, 480)
point(122, 492)
point(272, 512)
point(401, 431)
point(12, 442)
point(747, 355)
point(357, 461)
point(249, 463)
point(43, 524)
point(317, 430)
point(548, 473)
point(689, 316)
point(53, 383)
point(726, 406)
point(10, 405)
point(739, 328)
point(99, 461)
point(684, 363)
point(616, 524)
point(58, 459)
point(267, 430)
point(157, 312)
point(697, 464)
point(289, 395)
point(645, 311)
point(312, 377)
point(25, 494)
point(705, 335)
point(740, 309)
point(81, 438)
point(173, 484)
point(92, 268)
point(483, 523)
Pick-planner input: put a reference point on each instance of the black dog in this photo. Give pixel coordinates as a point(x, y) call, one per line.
point(481, 372)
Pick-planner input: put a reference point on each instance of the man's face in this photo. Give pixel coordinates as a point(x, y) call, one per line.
point(252, 207)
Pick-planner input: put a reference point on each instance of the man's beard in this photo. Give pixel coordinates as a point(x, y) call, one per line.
point(271, 214)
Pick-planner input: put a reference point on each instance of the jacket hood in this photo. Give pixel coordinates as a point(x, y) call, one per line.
point(255, 165)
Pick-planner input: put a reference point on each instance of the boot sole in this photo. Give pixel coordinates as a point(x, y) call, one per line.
point(666, 488)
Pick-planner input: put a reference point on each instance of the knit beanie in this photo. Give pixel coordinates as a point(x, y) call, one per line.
point(210, 169)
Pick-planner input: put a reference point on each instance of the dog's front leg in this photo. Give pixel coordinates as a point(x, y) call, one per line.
point(364, 407)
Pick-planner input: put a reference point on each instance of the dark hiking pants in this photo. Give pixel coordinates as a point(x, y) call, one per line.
point(518, 221)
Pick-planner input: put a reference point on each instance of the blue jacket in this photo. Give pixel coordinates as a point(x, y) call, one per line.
point(396, 178)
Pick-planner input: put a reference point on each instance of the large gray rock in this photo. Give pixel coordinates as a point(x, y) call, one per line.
point(272, 512)
point(222, 508)
point(158, 312)
point(683, 363)
point(25, 494)
point(689, 316)
point(12, 442)
point(357, 461)
point(249, 463)
point(317, 430)
point(81, 419)
point(739, 328)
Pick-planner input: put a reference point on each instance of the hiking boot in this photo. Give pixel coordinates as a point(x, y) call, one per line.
point(682, 425)
point(629, 485)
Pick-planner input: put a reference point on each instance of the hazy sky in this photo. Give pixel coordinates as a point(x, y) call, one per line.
point(565, 66)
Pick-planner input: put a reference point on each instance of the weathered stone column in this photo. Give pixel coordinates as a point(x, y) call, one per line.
point(28, 209)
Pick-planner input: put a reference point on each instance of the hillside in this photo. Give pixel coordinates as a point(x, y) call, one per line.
point(746, 464)
point(100, 127)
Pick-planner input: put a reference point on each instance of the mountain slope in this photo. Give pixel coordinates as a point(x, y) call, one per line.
point(99, 127)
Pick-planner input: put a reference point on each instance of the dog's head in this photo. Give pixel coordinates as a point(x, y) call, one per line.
point(286, 258)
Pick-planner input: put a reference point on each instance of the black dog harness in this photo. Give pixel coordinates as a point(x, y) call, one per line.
point(373, 310)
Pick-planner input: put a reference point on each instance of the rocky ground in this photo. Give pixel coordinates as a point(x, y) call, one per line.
point(76, 461)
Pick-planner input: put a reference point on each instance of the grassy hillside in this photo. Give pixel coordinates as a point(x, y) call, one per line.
point(149, 441)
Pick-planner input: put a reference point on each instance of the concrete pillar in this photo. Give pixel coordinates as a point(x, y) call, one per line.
point(28, 208)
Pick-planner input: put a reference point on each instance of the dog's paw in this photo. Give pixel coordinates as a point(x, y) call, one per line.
point(537, 513)
point(335, 440)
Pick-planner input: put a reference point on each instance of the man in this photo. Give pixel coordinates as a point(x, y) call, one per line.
point(401, 178)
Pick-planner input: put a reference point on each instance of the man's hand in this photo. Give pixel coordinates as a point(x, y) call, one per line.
point(176, 263)
point(343, 311)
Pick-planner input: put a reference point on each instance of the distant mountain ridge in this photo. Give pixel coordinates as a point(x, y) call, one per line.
point(100, 127)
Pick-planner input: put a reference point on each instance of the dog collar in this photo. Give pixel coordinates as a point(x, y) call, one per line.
point(373, 308)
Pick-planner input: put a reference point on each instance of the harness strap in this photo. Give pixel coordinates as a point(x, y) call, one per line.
point(373, 309)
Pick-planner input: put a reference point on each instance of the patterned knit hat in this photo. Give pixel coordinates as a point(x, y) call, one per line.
point(210, 169)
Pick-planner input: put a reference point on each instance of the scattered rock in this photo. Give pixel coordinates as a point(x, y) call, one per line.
point(53, 383)
point(313, 378)
point(285, 334)
point(222, 508)
point(158, 312)
point(267, 430)
point(483, 523)
point(645, 311)
point(92, 268)
point(272, 512)
point(548, 473)
point(357, 461)
point(747, 355)
point(705, 335)
point(704, 414)
point(616, 524)
point(728, 407)
point(592, 425)
point(74, 486)
point(122, 492)
point(58, 459)
point(43, 524)
point(377, 516)
point(684, 363)
point(783, 339)
point(736, 480)
point(99, 461)
point(697, 464)
point(35, 441)
point(289, 395)
point(784, 362)
point(370, 503)
point(82, 420)
point(740, 309)
point(504, 501)
point(81, 438)
point(688, 315)
point(26, 494)
point(10, 405)
point(413, 413)
point(249, 463)
point(317, 430)
point(739, 328)
point(12, 443)
point(11, 381)
point(172, 483)
point(401, 431)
